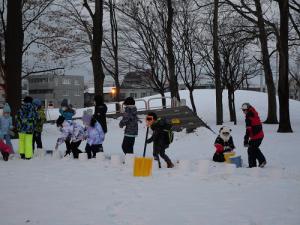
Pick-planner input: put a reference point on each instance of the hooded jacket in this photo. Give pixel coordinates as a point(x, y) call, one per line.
point(130, 120)
point(254, 128)
point(159, 136)
point(71, 130)
point(95, 135)
point(26, 118)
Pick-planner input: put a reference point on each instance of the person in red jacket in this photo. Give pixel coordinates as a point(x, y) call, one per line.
point(254, 136)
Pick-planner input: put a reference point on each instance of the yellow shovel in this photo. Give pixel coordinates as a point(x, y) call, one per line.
point(142, 166)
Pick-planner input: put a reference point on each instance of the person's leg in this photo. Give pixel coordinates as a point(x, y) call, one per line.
point(33, 141)
point(156, 155)
point(28, 146)
point(5, 155)
point(38, 137)
point(8, 142)
point(162, 154)
point(127, 145)
point(22, 145)
point(68, 147)
point(258, 154)
point(88, 151)
point(74, 149)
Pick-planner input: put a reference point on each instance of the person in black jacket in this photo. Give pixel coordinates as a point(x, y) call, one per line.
point(100, 112)
point(159, 138)
point(223, 143)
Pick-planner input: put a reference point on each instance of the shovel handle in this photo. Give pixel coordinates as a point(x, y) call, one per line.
point(144, 154)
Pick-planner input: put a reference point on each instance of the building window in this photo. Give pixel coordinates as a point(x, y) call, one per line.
point(76, 82)
point(143, 94)
point(77, 92)
point(41, 91)
point(66, 93)
point(133, 95)
point(66, 81)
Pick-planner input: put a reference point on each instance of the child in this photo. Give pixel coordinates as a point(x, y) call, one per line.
point(6, 125)
point(72, 131)
point(94, 134)
point(223, 143)
point(5, 150)
point(159, 138)
point(37, 134)
point(26, 121)
point(130, 121)
point(66, 110)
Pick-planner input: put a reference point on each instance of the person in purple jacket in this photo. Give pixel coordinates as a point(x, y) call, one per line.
point(94, 135)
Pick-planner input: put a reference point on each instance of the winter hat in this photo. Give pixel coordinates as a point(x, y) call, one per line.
point(129, 101)
point(27, 99)
point(99, 99)
point(86, 118)
point(225, 133)
point(60, 121)
point(6, 108)
point(64, 103)
point(245, 106)
point(37, 102)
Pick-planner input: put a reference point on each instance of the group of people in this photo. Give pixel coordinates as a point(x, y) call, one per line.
point(31, 117)
point(252, 139)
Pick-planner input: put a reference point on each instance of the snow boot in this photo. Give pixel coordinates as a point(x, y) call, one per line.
point(262, 165)
point(22, 156)
point(170, 164)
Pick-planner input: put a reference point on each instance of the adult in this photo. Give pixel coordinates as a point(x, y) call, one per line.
point(254, 136)
point(100, 111)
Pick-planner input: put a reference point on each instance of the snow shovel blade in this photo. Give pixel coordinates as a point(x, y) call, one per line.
point(142, 166)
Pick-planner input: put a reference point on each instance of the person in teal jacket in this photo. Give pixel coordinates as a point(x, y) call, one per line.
point(6, 125)
point(26, 119)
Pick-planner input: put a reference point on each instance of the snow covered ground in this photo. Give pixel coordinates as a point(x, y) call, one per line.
point(196, 192)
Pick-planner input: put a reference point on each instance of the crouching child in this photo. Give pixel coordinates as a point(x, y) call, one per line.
point(223, 143)
point(159, 138)
point(5, 150)
point(94, 135)
point(70, 131)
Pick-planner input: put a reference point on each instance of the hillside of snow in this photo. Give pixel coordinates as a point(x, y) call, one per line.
point(196, 192)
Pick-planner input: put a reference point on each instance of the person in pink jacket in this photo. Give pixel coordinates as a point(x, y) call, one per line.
point(5, 150)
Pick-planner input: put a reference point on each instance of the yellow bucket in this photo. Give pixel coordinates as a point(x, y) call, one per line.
point(227, 155)
point(142, 166)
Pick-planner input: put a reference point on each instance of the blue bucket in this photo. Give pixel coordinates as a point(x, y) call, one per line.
point(237, 160)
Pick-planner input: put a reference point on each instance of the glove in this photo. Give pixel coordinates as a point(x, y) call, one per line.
point(227, 149)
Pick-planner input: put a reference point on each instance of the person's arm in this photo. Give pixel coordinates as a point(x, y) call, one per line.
point(125, 119)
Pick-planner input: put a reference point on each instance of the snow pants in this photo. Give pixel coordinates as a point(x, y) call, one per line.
point(25, 145)
point(254, 153)
point(159, 151)
point(37, 138)
point(127, 145)
point(92, 150)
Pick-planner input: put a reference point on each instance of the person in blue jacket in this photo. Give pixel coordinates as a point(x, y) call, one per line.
point(6, 125)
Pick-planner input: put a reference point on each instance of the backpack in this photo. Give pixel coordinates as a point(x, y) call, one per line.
point(169, 133)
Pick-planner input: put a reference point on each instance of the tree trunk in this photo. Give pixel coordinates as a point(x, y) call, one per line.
point(97, 46)
point(192, 100)
point(283, 86)
point(272, 106)
point(163, 100)
point(230, 105)
point(217, 68)
point(13, 54)
point(170, 54)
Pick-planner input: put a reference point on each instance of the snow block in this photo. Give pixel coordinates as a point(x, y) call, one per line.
point(203, 167)
point(129, 160)
point(100, 156)
point(184, 165)
point(82, 156)
point(229, 168)
point(116, 160)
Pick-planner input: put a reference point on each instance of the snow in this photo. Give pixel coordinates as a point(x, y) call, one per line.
point(196, 192)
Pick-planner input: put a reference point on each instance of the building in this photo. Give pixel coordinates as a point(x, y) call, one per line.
point(52, 89)
point(136, 85)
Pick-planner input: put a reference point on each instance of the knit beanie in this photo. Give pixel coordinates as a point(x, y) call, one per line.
point(64, 103)
point(37, 102)
point(6, 108)
point(129, 101)
point(27, 99)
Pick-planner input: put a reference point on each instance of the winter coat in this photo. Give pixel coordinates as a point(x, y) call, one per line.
point(227, 145)
point(5, 125)
point(100, 115)
point(72, 131)
point(159, 136)
point(68, 113)
point(130, 120)
point(40, 122)
point(95, 135)
point(254, 128)
point(5, 148)
point(26, 118)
